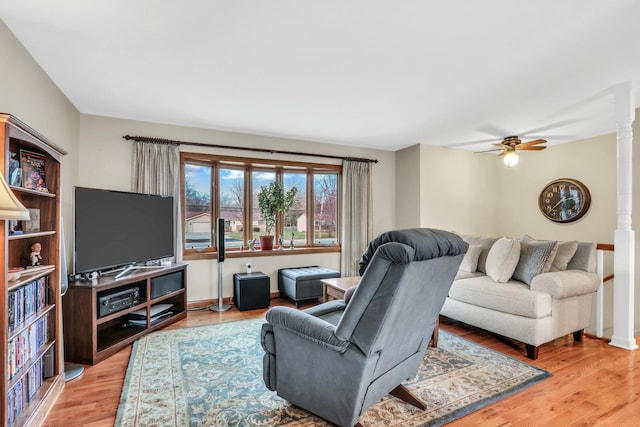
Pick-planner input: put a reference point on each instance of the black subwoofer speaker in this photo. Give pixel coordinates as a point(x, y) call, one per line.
point(251, 290)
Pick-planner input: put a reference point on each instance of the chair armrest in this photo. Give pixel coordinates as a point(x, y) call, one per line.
point(306, 326)
point(565, 284)
point(326, 308)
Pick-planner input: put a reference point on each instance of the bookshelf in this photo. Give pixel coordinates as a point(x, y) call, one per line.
point(32, 371)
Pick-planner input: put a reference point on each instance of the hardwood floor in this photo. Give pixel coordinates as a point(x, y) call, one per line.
point(593, 384)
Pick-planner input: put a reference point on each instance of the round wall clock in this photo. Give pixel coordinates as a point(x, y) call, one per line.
point(564, 200)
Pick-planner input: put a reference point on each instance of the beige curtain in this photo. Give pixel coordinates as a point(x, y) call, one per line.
point(357, 228)
point(156, 170)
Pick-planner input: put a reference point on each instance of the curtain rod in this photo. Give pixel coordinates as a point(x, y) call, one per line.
point(262, 150)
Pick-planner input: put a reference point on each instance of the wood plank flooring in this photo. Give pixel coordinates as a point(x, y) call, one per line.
point(593, 383)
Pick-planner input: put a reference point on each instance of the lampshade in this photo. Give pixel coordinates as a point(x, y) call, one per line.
point(10, 206)
point(511, 159)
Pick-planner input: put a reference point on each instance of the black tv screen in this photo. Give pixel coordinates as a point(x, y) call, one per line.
point(116, 228)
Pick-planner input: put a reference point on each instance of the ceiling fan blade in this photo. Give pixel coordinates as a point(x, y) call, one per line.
point(504, 152)
point(530, 147)
point(488, 151)
point(501, 144)
point(537, 141)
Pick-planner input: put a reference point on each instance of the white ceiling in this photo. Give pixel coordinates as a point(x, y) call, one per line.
point(372, 73)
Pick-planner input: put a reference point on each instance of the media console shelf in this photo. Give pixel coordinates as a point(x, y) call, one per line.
point(104, 315)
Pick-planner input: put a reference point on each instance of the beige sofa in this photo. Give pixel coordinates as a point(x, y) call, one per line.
point(528, 290)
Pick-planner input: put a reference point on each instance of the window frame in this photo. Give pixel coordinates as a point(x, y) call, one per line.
point(249, 165)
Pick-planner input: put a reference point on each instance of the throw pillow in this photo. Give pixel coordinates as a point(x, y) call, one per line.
point(486, 243)
point(470, 260)
point(549, 262)
point(533, 258)
point(566, 251)
point(502, 259)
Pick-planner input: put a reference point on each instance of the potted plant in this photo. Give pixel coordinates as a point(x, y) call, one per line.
point(272, 200)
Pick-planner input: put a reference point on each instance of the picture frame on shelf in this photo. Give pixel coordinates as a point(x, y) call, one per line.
point(32, 225)
point(33, 170)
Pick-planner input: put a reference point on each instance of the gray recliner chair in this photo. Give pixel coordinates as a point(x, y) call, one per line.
point(337, 359)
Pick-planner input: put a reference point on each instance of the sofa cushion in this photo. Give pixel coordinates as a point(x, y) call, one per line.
point(470, 260)
point(584, 258)
point(512, 297)
point(535, 258)
point(502, 259)
point(566, 251)
point(486, 243)
point(549, 260)
point(465, 274)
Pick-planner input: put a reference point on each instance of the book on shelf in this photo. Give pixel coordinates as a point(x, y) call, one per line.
point(33, 170)
point(26, 301)
point(15, 172)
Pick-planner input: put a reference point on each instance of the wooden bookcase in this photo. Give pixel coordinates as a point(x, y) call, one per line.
point(92, 334)
point(32, 368)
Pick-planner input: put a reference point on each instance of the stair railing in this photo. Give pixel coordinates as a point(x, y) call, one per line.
point(600, 248)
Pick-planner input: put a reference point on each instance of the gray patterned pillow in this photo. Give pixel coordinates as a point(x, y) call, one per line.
point(534, 256)
point(554, 252)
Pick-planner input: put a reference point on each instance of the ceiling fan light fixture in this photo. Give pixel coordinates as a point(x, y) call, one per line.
point(511, 159)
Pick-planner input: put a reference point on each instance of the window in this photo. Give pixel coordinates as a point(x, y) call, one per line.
point(197, 206)
point(232, 206)
point(325, 206)
point(295, 220)
point(225, 187)
point(258, 179)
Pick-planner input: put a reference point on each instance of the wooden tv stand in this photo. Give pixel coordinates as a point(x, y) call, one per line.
point(92, 333)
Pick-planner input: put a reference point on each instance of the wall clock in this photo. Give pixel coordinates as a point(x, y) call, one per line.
point(564, 200)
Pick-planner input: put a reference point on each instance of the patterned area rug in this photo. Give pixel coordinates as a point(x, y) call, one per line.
point(212, 376)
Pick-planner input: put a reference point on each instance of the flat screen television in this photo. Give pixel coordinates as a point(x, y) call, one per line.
point(116, 228)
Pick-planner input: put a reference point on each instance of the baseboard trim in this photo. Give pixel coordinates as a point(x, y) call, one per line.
point(202, 304)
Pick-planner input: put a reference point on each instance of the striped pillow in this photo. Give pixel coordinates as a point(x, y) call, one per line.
point(534, 258)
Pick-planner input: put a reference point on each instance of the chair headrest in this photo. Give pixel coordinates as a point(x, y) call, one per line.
point(427, 243)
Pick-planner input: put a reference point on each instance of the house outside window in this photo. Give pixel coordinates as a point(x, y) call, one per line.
point(227, 187)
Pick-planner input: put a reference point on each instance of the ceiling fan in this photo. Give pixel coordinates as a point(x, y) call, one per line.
point(511, 144)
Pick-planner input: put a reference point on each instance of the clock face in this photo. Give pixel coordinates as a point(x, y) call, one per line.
point(564, 200)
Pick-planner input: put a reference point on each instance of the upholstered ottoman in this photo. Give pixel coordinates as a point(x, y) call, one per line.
point(303, 283)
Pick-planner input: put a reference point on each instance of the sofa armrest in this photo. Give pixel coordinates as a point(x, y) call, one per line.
point(564, 284)
point(306, 326)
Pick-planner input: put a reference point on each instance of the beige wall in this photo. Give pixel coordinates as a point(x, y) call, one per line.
point(29, 94)
point(408, 185)
point(458, 191)
point(105, 162)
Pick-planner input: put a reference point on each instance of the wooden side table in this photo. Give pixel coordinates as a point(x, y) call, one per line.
point(335, 288)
